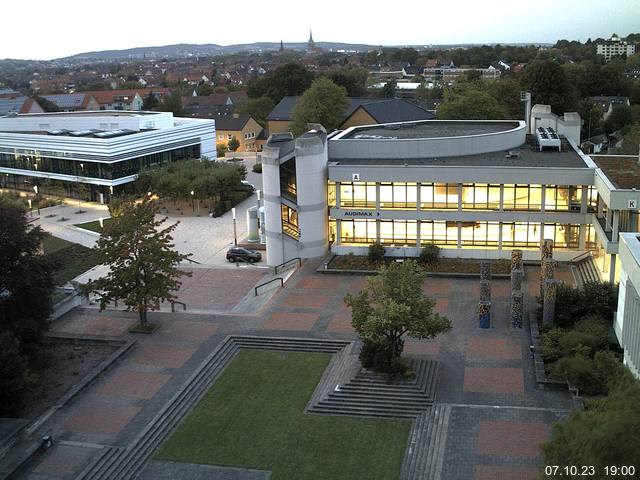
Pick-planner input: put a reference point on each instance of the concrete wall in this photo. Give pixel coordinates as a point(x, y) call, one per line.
point(101, 120)
point(428, 147)
point(311, 172)
point(568, 125)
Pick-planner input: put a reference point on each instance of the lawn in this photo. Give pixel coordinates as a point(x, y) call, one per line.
point(94, 225)
point(70, 259)
point(253, 417)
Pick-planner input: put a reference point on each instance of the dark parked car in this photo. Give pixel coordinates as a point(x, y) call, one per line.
point(235, 254)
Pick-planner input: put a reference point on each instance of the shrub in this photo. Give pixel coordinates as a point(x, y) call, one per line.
point(550, 344)
point(376, 252)
point(257, 167)
point(592, 376)
point(594, 298)
point(221, 150)
point(568, 306)
point(429, 254)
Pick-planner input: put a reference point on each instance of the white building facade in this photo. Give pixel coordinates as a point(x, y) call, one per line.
point(627, 319)
point(103, 149)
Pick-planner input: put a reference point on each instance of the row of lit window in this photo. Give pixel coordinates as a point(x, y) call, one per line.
point(468, 196)
point(445, 233)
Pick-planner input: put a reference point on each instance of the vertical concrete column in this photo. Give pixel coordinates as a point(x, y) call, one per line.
point(612, 269)
point(459, 197)
point(459, 225)
point(338, 231)
point(311, 177)
point(615, 225)
point(517, 309)
point(549, 302)
point(600, 206)
point(584, 205)
point(543, 198)
point(608, 221)
point(547, 272)
point(378, 198)
point(272, 201)
point(418, 231)
point(500, 237)
point(582, 237)
point(485, 291)
point(338, 194)
point(501, 200)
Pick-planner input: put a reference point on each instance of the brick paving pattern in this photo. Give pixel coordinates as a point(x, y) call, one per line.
point(479, 369)
point(494, 380)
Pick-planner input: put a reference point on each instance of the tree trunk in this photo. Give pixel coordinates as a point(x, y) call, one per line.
point(143, 317)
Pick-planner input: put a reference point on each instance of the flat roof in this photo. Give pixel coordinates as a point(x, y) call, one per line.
point(527, 155)
point(91, 113)
point(428, 129)
point(622, 170)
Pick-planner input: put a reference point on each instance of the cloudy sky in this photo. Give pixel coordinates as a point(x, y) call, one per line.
point(45, 29)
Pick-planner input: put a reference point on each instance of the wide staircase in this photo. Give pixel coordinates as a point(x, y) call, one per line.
point(424, 456)
point(584, 269)
point(116, 463)
point(372, 394)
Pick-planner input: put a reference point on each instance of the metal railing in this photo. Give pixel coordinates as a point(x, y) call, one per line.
point(581, 257)
point(192, 261)
point(173, 305)
point(283, 264)
point(255, 290)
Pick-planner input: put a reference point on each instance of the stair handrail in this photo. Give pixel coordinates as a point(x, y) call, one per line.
point(255, 290)
point(298, 259)
point(581, 256)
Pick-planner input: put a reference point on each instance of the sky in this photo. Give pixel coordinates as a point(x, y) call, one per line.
point(46, 29)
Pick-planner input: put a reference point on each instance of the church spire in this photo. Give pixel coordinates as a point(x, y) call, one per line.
point(311, 45)
point(281, 46)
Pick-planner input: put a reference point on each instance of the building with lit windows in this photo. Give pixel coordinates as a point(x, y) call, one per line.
point(477, 189)
point(102, 149)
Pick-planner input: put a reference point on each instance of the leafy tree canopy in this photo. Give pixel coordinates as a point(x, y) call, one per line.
point(470, 101)
point(26, 282)
point(324, 102)
point(143, 265)
point(289, 79)
point(256, 108)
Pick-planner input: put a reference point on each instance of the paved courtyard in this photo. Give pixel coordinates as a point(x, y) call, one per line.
point(498, 416)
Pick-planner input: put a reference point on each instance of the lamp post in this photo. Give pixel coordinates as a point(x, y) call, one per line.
point(235, 232)
point(79, 190)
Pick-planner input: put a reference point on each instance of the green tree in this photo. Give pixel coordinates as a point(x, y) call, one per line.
point(606, 433)
point(234, 144)
point(13, 372)
point(142, 261)
point(172, 103)
point(389, 89)
point(631, 141)
point(26, 281)
point(256, 108)
point(353, 79)
point(324, 102)
point(288, 79)
point(150, 102)
point(393, 304)
point(548, 84)
point(620, 117)
point(470, 102)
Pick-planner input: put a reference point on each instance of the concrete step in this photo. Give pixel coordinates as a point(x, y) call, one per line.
point(376, 402)
point(364, 412)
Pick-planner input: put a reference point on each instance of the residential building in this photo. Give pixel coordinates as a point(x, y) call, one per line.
point(73, 102)
point(19, 104)
point(477, 189)
point(627, 319)
point(241, 127)
point(608, 103)
point(361, 110)
point(615, 47)
point(450, 74)
point(103, 149)
point(125, 100)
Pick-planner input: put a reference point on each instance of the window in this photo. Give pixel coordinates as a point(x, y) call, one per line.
point(438, 196)
point(358, 231)
point(480, 196)
point(563, 198)
point(331, 193)
point(288, 185)
point(522, 197)
point(398, 195)
point(398, 232)
point(521, 234)
point(479, 234)
point(289, 221)
point(563, 235)
point(358, 195)
point(439, 233)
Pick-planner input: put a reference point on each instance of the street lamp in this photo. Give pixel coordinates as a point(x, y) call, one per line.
point(193, 204)
point(235, 233)
point(35, 189)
